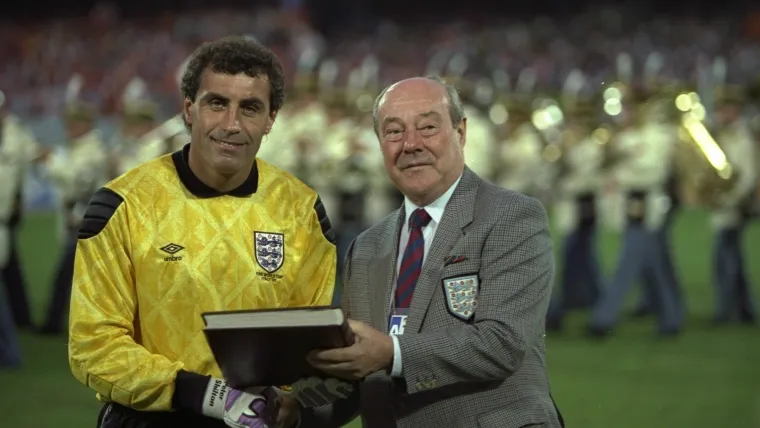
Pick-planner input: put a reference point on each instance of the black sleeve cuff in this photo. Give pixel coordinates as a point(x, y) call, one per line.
point(189, 389)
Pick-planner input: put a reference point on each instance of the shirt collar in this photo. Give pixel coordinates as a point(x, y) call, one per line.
point(200, 189)
point(434, 209)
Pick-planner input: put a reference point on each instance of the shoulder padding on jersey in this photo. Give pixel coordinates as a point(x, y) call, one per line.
point(102, 207)
point(324, 222)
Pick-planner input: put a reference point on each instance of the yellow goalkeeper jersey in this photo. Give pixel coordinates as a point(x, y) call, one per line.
point(158, 247)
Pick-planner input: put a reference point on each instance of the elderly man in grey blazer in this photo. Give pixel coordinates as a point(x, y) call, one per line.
point(447, 296)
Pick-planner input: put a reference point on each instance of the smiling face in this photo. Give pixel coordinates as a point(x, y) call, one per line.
point(228, 119)
point(422, 149)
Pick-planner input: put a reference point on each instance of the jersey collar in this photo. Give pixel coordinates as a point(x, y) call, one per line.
point(200, 189)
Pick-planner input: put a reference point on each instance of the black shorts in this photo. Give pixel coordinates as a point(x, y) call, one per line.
point(117, 416)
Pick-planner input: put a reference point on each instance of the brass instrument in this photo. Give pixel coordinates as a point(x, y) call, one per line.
point(499, 112)
point(699, 158)
point(577, 121)
point(508, 114)
point(614, 96)
point(512, 108)
point(581, 125)
point(547, 118)
point(617, 98)
point(550, 118)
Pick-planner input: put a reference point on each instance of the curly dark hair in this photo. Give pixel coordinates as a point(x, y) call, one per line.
point(234, 55)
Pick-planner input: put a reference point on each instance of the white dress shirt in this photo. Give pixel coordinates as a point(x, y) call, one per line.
point(435, 210)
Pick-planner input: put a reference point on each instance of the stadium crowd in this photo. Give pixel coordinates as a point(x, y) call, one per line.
point(108, 51)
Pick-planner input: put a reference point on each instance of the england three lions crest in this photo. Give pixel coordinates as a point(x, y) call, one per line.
point(269, 249)
point(462, 295)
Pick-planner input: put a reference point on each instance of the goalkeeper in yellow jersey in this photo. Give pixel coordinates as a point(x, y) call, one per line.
point(207, 228)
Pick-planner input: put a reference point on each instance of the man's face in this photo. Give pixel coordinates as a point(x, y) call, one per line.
point(421, 148)
point(228, 119)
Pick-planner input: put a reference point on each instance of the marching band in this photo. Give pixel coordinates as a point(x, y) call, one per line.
point(623, 156)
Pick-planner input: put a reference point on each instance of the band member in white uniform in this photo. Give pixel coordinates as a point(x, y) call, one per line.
point(733, 291)
point(77, 172)
point(640, 175)
point(575, 213)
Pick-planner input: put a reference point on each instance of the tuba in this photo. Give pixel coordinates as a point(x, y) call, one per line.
point(700, 161)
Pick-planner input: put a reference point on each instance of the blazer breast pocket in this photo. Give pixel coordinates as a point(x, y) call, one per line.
point(461, 287)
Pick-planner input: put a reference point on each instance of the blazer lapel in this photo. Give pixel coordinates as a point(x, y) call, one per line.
point(383, 270)
point(458, 214)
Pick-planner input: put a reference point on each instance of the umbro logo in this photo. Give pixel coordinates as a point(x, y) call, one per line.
point(172, 249)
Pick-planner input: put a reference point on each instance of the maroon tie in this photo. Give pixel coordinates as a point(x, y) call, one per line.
point(411, 264)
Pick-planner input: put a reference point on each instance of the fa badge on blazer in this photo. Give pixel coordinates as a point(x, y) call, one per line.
point(462, 295)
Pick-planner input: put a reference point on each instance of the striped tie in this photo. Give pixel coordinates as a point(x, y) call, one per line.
point(411, 264)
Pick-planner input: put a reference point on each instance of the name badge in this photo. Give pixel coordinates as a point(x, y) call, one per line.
point(397, 323)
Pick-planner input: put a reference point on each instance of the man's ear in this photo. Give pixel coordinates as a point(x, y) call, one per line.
point(462, 132)
point(187, 105)
point(270, 122)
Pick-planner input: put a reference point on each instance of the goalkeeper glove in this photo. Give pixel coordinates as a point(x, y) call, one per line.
point(240, 409)
point(315, 392)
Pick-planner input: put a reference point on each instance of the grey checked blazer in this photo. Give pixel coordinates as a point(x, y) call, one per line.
point(488, 371)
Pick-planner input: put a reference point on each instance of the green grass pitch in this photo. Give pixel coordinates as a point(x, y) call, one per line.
point(707, 378)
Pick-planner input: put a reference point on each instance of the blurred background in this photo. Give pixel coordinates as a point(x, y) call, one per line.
point(550, 65)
